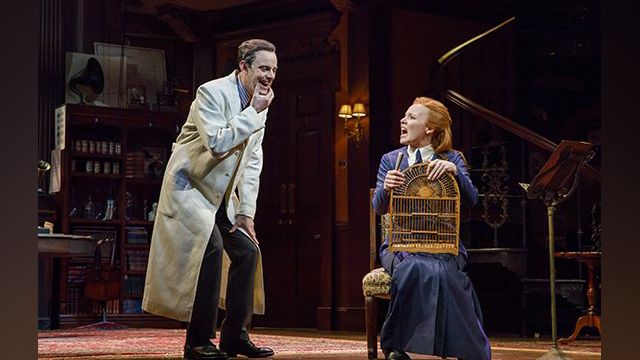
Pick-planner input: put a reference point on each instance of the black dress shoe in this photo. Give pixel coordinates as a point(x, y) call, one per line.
point(246, 348)
point(204, 352)
point(397, 355)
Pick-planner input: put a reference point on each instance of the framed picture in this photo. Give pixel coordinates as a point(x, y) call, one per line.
point(136, 96)
point(144, 66)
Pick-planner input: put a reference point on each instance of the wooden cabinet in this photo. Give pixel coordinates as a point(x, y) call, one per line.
point(111, 171)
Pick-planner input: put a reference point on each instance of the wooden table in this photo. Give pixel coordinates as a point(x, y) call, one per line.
point(51, 249)
point(591, 318)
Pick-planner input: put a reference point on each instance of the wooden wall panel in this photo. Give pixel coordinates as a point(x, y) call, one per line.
point(50, 73)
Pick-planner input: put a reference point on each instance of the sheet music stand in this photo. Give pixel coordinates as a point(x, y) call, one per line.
point(555, 182)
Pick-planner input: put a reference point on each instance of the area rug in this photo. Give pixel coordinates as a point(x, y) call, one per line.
point(167, 344)
point(147, 344)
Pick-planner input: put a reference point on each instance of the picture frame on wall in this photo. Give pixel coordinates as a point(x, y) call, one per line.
point(144, 66)
point(136, 96)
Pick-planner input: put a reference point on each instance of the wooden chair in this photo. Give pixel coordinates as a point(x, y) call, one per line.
point(375, 284)
point(102, 282)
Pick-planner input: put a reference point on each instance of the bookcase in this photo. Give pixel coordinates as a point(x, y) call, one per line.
point(108, 165)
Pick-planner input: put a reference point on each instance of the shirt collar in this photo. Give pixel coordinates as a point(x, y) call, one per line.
point(426, 153)
point(244, 95)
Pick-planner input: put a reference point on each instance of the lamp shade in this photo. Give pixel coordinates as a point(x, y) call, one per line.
point(359, 110)
point(345, 111)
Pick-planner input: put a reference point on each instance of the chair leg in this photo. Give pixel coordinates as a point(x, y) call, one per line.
point(371, 326)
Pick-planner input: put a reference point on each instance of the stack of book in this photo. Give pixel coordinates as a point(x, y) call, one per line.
point(137, 235)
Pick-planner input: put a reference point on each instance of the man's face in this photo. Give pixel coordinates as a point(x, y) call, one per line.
point(413, 127)
point(262, 70)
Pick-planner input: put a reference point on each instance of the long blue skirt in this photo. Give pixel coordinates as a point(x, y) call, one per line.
point(434, 309)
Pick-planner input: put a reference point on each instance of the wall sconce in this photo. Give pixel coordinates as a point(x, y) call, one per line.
point(346, 113)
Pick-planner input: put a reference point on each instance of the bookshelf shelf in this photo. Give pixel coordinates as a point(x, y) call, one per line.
point(93, 222)
point(137, 246)
point(81, 155)
point(138, 222)
point(143, 181)
point(135, 272)
point(96, 176)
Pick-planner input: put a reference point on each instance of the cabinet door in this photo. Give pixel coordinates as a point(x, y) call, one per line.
point(295, 202)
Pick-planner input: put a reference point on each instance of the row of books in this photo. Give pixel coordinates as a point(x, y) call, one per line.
point(75, 301)
point(77, 304)
point(137, 259)
point(132, 306)
point(133, 284)
point(137, 235)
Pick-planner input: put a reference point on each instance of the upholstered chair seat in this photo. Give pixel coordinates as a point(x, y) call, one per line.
point(376, 283)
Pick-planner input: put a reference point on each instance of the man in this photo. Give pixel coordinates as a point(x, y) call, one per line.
point(207, 204)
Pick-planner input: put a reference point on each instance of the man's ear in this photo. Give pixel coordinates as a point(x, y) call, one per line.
point(243, 66)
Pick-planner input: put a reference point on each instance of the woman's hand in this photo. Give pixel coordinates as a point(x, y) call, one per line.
point(439, 167)
point(393, 179)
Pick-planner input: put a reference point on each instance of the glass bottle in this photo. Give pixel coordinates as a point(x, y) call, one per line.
point(145, 209)
point(89, 209)
point(73, 206)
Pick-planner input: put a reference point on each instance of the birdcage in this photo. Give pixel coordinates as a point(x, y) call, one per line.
point(425, 214)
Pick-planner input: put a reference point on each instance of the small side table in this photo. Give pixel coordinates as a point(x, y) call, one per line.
point(52, 248)
point(591, 318)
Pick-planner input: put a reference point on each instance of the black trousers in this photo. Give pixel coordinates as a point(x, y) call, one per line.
point(243, 254)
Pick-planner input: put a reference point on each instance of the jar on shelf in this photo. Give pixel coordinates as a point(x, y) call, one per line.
point(96, 167)
point(88, 166)
point(92, 147)
point(116, 168)
point(85, 146)
point(107, 167)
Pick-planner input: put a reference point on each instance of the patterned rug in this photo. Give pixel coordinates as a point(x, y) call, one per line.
point(97, 344)
point(167, 344)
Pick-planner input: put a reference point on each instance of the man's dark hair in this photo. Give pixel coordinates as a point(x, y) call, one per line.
point(248, 49)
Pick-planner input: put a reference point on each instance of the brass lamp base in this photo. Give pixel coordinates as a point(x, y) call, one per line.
point(554, 354)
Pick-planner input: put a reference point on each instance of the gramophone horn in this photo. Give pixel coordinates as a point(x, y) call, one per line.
point(91, 78)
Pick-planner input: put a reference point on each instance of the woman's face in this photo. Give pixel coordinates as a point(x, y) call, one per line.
point(413, 127)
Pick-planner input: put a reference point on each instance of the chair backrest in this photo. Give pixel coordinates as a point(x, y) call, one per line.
point(373, 235)
point(377, 232)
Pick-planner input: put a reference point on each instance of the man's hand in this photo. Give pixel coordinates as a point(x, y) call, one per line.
point(393, 179)
point(246, 223)
point(439, 167)
point(262, 97)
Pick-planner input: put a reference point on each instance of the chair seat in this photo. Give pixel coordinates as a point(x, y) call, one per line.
point(376, 283)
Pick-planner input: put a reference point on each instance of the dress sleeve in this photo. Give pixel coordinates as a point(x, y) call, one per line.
point(468, 191)
point(380, 200)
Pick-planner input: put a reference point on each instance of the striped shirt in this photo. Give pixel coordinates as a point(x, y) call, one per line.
point(244, 96)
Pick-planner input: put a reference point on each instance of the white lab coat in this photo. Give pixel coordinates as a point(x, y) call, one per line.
point(218, 151)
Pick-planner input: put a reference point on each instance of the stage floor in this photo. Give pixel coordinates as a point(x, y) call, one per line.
point(165, 344)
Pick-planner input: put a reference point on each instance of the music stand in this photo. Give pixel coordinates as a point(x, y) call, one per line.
point(555, 182)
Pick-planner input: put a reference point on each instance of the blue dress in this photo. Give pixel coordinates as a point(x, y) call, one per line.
point(434, 308)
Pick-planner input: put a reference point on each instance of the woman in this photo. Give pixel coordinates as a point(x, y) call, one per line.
point(434, 309)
